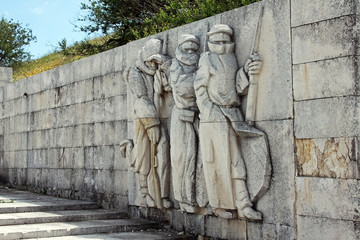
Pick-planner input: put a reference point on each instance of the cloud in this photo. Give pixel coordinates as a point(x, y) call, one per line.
point(37, 10)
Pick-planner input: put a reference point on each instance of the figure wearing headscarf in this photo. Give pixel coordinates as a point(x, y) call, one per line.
point(150, 141)
point(187, 170)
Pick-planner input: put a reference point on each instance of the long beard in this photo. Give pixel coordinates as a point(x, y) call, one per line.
point(221, 48)
point(190, 59)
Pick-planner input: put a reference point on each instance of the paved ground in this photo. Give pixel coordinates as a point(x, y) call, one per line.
point(26, 215)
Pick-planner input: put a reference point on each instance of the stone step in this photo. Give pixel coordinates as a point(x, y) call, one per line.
point(46, 230)
point(58, 216)
point(17, 206)
point(143, 235)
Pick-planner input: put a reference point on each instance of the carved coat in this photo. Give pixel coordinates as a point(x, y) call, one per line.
point(141, 84)
point(187, 170)
point(223, 132)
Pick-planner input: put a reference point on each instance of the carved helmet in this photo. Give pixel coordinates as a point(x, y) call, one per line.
point(221, 29)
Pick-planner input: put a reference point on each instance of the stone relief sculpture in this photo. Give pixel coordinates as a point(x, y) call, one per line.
point(187, 173)
point(235, 155)
point(148, 154)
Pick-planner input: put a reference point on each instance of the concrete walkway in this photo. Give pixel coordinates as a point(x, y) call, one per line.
point(25, 215)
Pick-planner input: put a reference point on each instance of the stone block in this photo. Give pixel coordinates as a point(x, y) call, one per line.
point(325, 118)
point(119, 58)
point(78, 136)
point(89, 158)
point(64, 179)
point(98, 158)
point(277, 204)
point(328, 157)
point(113, 84)
point(109, 157)
point(320, 197)
point(78, 179)
point(120, 107)
point(84, 113)
point(225, 229)
point(308, 11)
point(324, 40)
point(88, 134)
point(99, 134)
point(6, 75)
point(195, 224)
point(83, 91)
point(107, 62)
point(110, 136)
point(325, 78)
point(87, 68)
point(98, 87)
point(256, 231)
point(109, 109)
point(78, 158)
point(121, 182)
point(310, 228)
point(98, 114)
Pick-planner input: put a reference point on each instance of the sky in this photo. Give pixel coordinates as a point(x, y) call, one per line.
point(50, 20)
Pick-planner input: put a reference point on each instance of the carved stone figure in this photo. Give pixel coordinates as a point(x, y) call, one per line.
point(187, 172)
point(227, 142)
point(149, 156)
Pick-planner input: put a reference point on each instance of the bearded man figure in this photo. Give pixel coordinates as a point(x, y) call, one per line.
point(187, 170)
point(219, 83)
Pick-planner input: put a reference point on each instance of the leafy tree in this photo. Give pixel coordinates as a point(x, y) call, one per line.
point(128, 20)
point(13, 39)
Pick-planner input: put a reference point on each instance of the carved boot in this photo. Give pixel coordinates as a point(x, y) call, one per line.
point(243, 203)
point(166, 203)
point(223, 213)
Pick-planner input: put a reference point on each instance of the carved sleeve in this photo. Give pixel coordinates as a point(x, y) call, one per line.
point(144, 108)
point(242, 82)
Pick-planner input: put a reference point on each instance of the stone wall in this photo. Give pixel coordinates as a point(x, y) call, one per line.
point(60, 131)
point(326, 108)
point(5, 75)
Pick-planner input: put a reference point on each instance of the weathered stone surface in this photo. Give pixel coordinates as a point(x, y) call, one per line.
point(326, 118)
point(5, 76)
point(225, 229)
point(310, 228)
point(332, 157)
point(258, 231)
point(324, 40)
point(274, 99)
point(320, 197)
point(308, 11)
point(325, 78)
point(277, 205)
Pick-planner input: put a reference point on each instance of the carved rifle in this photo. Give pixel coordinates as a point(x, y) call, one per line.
point(158, 101)
point(253, 87)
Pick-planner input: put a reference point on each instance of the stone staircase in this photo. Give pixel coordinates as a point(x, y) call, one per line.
point(25, 215)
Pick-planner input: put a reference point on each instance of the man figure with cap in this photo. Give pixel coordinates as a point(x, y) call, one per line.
point(145, 81)
point(187, 172)
point(219, 83)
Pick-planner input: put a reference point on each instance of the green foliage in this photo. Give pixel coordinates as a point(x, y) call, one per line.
point(13, 39)
point(129, 20)
point(177, 13)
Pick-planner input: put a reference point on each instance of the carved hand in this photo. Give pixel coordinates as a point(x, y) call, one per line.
point(154, 134)
point(253, 64)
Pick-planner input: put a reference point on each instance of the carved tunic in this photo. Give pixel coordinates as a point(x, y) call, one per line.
point(221, 123)
point(188, 178)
